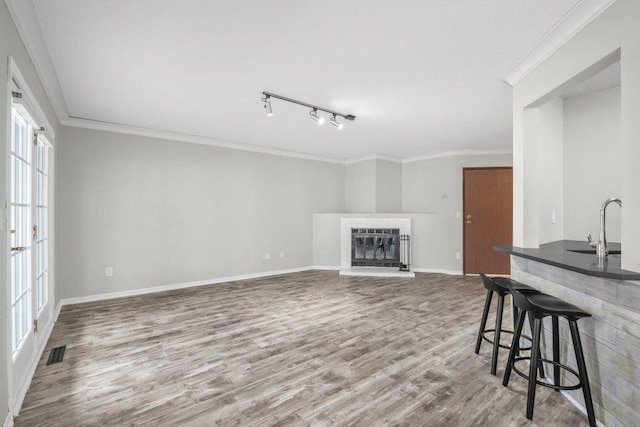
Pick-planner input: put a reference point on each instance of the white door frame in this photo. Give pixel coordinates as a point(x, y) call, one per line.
point(16, 393)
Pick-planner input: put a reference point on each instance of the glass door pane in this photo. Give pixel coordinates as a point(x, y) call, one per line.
point(40, 228)
point(20, 206)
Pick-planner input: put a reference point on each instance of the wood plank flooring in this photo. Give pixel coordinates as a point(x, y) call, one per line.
point(311, 348)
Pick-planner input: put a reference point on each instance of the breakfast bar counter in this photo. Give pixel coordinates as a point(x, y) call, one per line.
point(571, 255)
point(610, 337)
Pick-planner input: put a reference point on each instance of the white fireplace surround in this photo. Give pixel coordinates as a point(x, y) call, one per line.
point(346, 224)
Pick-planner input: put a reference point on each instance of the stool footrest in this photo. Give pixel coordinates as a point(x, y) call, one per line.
point(504, 331)
point(546, 384)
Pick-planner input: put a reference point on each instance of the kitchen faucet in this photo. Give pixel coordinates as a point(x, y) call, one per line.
point(602, 248)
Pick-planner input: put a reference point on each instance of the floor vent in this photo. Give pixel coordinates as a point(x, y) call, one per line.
point(56, 355)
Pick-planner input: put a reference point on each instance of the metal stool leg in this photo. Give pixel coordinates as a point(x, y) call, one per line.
point(531, 393)
point(483, 322)
point(582, 369)
point(514, 347)
point(556, 351)
point(540, 367)
point(496, 338)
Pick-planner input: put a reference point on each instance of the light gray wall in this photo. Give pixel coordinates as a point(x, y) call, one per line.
point(163, 212)
point(592, 154)
point(550, 127)
point(388, 186)
point(373, 186)
point(613, 35)
point(360, 194)
point(435, 186)
point(577, 141)
point(11, 45)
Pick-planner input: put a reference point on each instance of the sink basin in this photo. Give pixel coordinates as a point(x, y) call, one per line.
point(593, 251)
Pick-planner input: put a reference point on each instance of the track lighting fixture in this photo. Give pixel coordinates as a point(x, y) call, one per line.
point(267, 105)
point(313, 113)
point(314, 116)
point(335, 122)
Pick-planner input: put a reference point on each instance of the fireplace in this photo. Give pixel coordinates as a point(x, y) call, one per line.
point(375, 247)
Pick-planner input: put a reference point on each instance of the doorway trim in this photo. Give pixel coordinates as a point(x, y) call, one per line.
point(16, 394)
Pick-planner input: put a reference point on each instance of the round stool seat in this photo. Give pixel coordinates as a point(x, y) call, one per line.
point(492, 285)
point(549, 305)
point(509, 284)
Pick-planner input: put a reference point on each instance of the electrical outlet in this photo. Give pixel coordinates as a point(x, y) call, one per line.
point(457, 255)
point(281, 254)
point(266, 256)
point(553, 216)
point(108, 271)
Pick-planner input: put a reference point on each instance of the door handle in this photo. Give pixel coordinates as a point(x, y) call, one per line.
point(18, 248)
point(468, 221)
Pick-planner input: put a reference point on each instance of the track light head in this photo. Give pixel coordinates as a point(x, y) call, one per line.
point(336, 123)
point(313, 113)
point(314, 116)
point(267, 106)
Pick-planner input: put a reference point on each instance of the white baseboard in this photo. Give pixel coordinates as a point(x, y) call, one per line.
point(57, 312)
point(572, 400)
point(578, 405)
point(8, 421)
point(154, 289)
point(437, 270)
point(326, 267)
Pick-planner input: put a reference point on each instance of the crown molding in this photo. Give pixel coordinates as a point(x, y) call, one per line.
point(570, 25)
point(23, 14)
point(375, 156)
point(78, 122)
point(460, 152)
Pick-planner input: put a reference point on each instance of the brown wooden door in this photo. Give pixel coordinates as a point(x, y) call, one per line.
point(487, 219)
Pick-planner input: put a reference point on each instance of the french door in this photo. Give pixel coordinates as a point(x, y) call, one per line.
point(29, 238)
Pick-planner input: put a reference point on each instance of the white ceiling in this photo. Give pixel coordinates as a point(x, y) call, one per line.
point(422, 77)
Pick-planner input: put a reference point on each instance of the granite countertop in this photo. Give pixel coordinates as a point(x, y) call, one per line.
point(559, 254)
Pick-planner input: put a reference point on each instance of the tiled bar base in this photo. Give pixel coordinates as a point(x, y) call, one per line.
point(611, 337)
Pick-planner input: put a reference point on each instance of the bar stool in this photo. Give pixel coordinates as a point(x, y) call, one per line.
point(501, 286)
point(540, 306)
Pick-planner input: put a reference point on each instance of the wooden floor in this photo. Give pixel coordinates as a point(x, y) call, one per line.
point(310, 348)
